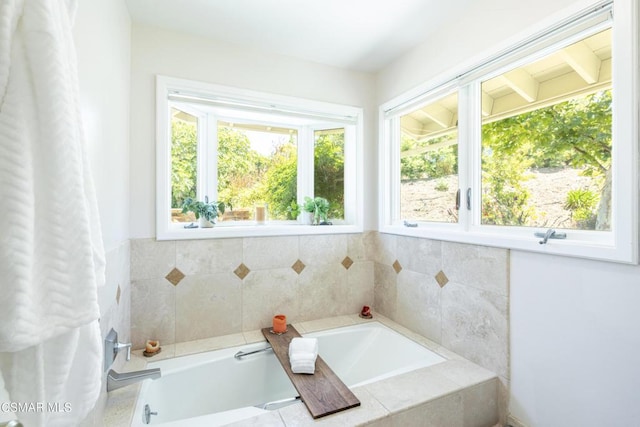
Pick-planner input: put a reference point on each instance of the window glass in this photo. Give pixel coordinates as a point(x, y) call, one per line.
point(546, 140)
point(257, 165)
point(184, 162)
point(328, 161)
point(429, 162)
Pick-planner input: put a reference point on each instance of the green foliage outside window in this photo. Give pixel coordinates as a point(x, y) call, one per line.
point(246, 177)
point(329, 171)
point(240, 169)
point(281, 182)
point(184, 154)
point(574, 133)
point(430, 164)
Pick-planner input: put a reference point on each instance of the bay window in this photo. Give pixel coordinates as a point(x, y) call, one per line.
point(254, 151)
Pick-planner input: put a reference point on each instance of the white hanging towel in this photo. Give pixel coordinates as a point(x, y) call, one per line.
point(6, 415)
point(51, 252)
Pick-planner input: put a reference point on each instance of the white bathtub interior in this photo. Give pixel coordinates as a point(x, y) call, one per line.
point(214, 388)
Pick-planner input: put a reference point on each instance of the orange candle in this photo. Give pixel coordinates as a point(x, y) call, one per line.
point(279, 323)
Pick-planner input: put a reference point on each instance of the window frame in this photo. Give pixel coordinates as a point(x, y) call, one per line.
point(621, 243)
point(351, 117)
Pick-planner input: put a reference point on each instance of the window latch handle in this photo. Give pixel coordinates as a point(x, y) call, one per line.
point(469, 198)
point(458, 200)
point(549, 234)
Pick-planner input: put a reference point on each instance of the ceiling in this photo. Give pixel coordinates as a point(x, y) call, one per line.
point(362, 35)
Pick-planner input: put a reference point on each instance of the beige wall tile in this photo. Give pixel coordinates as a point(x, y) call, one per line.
point(473, 305)
point(151, 259)
point(418, 304)
point(481, 405)
point(478, 266)
point(385, 248)
point(446, 411)
point(360, 282)
point(408, 390)
point(323, 324)
point(419, 255)
point(168, 351)
point(474, 324)
point(370, 241)
point(356, 248)
point(153, 312)
point(322, 291)
point(504, 386)
point(209, 344)
point(208, 306)
point(323, 249)
point(266, 293)
point(253, 336)
point(262, 253)
point(463, 372)
point(298, 415)
point(385, 290)
point(208, 256)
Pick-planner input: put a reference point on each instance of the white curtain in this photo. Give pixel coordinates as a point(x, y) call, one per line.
point(51, 252)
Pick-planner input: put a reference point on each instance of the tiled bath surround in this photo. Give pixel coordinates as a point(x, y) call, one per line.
point(189, 290)
point(454, 294)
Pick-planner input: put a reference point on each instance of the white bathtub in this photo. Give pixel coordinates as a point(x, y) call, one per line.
point(214, 388)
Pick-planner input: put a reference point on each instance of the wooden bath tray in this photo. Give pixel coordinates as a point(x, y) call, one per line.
point(323, 392)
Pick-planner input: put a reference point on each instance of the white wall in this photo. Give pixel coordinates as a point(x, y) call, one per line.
point(574, 341)
point(102, 35)
point(156, 51)
point(574, 336)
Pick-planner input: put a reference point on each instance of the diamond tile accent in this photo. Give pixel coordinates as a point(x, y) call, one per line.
point(347, 262)
point(298, 266)
point(118, 292)
point(174, 276)
point(442, 278)
point(397, 267)
point(242, 271)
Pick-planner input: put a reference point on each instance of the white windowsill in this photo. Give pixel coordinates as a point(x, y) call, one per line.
point(221, 232)
point(575, 245)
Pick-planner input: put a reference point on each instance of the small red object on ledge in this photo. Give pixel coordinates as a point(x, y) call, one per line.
point(366, 312)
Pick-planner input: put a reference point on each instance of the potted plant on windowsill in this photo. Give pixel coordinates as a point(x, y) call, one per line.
point(205, 212)
point(319, 208)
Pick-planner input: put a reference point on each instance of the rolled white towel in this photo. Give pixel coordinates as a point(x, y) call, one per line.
point(303, 353)
point(303, 357)
point(306, 366)
point(303, 345)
